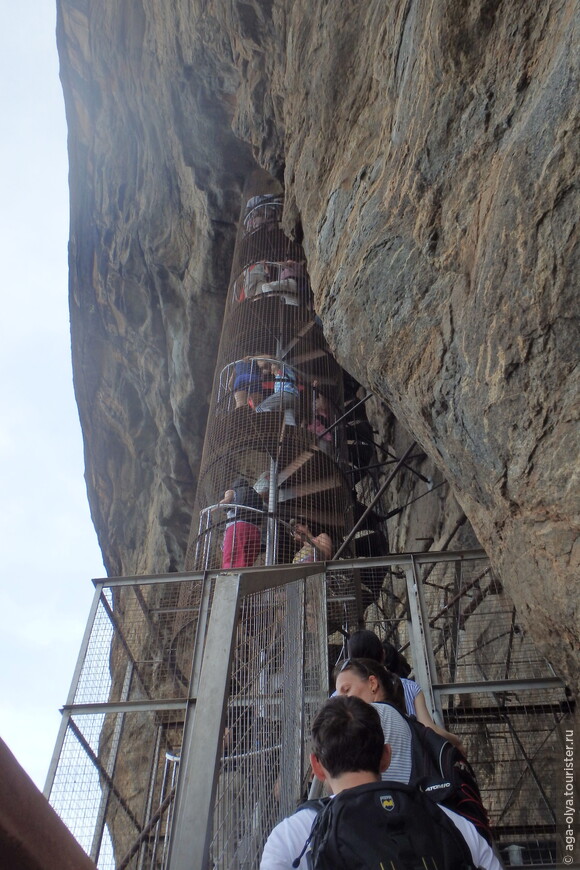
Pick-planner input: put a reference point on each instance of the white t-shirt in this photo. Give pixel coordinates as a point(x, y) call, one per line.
point(287, 841)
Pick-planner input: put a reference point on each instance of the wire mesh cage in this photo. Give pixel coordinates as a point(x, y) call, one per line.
point(274, 449)
point(279, 680)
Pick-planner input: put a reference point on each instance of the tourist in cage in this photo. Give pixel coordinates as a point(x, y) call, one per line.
point(366, 644)
point(291, 284)
point(286, 395)
point(242, 537)
point(254, 277)
point(263, 210)
point(246, 382)
point(312, 547)
point(321, 419)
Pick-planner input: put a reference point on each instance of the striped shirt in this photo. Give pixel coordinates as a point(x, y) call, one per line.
point(398, 736)
point(411, 690)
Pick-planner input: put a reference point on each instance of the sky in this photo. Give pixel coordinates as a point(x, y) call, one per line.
point(48, 546)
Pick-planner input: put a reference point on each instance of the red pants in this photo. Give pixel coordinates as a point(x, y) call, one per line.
point(241, 545)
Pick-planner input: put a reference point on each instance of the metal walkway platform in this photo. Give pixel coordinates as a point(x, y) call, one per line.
point(201, 736)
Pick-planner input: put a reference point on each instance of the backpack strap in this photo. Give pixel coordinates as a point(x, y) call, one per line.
point(317, 804)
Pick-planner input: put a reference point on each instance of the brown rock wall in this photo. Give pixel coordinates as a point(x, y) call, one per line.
point(428, 154)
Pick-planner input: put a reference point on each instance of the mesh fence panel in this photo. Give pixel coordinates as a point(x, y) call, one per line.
point(136, 637)
point(116, 769)
point(116, 775)
point(76, 790)
point(94, 683)
point(515, 745)
point(279, 680)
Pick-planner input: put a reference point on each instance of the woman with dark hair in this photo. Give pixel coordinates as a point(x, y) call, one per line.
point(394, 660)
point(365, 644)
point(371, 682)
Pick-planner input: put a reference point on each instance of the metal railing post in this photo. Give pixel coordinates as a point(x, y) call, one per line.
point(292, 711)
point(271, 526)
point(202, 740)
point(420, 638)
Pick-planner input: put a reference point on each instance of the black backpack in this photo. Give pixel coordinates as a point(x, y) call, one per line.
point(385, 825)
point(443, 773)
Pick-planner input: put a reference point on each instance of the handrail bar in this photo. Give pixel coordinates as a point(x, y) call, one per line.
point(394, 559)
point(276, 200)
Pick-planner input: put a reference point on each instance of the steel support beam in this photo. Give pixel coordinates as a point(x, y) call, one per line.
point(202, 739)
point(399, 560)
point(492, 686)
point(293, 707)
point(122, 707)
point(420, 636)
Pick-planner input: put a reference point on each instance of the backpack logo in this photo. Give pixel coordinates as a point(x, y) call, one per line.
point(437, 786)
point(387, 802)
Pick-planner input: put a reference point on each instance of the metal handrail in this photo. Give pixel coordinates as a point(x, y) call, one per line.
point(276, 201)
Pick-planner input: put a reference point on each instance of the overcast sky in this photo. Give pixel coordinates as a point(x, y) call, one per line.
point(48, 545)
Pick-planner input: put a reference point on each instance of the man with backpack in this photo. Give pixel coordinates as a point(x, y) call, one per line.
point(368, 823)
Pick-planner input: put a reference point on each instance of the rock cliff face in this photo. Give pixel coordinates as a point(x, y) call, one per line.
point(427, 152)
